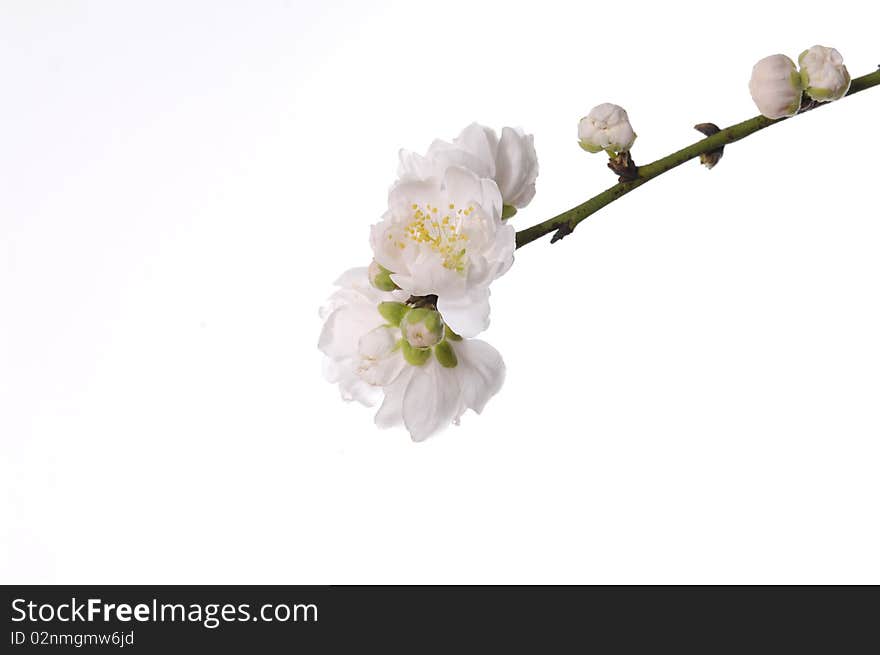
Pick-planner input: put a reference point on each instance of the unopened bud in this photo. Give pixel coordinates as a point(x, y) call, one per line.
point(380, 277)
point(776, 86)
point(607, 128)
point(823, 74)
point(422, 327)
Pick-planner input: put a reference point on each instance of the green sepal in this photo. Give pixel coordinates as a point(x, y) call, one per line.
point(415, 356)
point(434, 322)
point(393, 312)
point(382, 280)
point(445, 354)
point(507, 211)
point(418, 314)
point(822, 95)
point(590, 147)
point(452, 336)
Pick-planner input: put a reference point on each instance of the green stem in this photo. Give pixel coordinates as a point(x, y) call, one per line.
point(565, 222)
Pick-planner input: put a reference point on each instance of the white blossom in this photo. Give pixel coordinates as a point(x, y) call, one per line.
point(349, 315)
point(823, 74)
point(606, 127)
point(776, 86)
point(368, 356)
point(511, 161)
point(444, 236)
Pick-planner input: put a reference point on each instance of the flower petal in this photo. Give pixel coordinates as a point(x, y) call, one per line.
point(516, 167)
point(480, 372)
point(351, 387)
point(431, 400)
point(467, 315)
point(390, 413)
point(339, 336)
point(416, 167)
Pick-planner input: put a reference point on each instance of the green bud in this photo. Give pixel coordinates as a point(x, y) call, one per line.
point(380, 277)
point(393, 312)
point(445, 354)
point(415, 356)
point(507, 211)
point(422, 327)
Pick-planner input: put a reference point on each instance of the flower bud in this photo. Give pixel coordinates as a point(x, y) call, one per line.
point(380, 277)
point(776, 86)
point(607, 128)
point(422, 327)
point(823, 74)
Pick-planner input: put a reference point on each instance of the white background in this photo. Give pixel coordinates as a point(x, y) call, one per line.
point(693, 376)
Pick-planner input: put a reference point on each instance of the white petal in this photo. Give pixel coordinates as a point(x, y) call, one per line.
point(445, 155)
point(351, 387)
point(490, 199)
point(466, 315)
point(516, 167)
point(379, 362)
point(463, 186)
point(415, 166)
point(482, 142)
point(382, 372)
point(480, 372)
point(378, 343)
point(503, 249)
point(391, 411)
point(353, 277)
point(340, 335)
point(431, 400)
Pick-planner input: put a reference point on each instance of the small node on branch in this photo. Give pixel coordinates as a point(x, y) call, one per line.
point(808, 103)
point(709, 159)
point(563, 231)
point(623, 165)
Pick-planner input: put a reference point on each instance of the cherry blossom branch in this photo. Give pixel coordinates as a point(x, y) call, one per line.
point(564, 223)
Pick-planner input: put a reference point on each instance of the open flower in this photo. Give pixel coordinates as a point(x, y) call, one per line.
point(606, 127)
point(511, 161)
point(377, 345)
point(823, 74)
point(352, 336)
point(444, 236)
point(776, 86)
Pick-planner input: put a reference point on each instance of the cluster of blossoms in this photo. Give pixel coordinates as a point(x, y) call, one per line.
point(402, 328)
point(778, 86)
